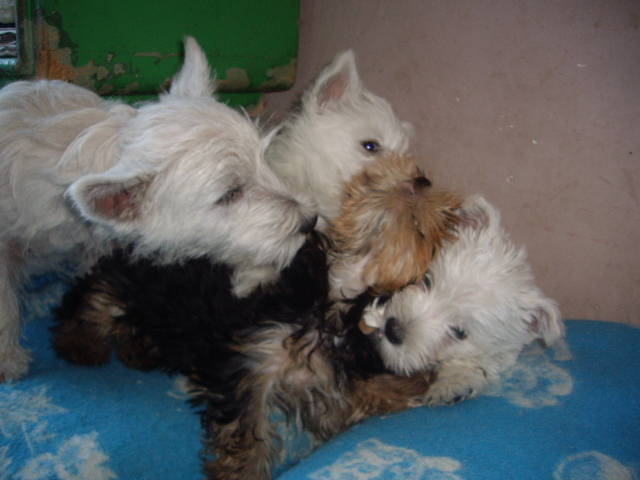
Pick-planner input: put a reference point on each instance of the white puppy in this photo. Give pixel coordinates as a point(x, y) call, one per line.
point(181, 177)
point(340, 127)
point(471, 316)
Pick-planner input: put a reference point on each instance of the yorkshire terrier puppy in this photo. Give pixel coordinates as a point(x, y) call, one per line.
point(389, 228)
point(284, 346)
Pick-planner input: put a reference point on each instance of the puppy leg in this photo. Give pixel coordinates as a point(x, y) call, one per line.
point(244, 447)
point(14, 360)
point(85, 321)
point(387, 393)
point(455, 384)
point(460, 380)
point(283, 371)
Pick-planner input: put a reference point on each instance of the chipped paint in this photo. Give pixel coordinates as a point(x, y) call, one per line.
point(257, 109)
point(280, 77)
point(64, 52)
point(52, 61)
point(159, 56)
point(236, 79)
point(56, 61)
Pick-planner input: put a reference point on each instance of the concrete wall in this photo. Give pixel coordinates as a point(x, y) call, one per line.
point(533, 103)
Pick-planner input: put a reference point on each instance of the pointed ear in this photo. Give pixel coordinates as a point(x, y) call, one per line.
point(408, 128)
point(194, 78)
point(546, 322)
point(478, 214)
point(336, 83)
point(108, 198)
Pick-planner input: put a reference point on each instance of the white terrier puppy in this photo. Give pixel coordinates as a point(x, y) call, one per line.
point(471, 316)
point(340, 127)
point(179, 178)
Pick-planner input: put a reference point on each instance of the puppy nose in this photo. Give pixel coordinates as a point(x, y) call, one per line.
point(421, 182)
point(394, 331)
point(309, 224)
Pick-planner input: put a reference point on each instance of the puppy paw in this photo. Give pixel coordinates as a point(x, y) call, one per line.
point(455, 386)
point(79, 344)
point(448, 397)
point(14, 363)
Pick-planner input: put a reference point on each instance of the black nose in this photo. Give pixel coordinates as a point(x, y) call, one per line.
point(394, 331)
point(421, 182)
point(309, 224)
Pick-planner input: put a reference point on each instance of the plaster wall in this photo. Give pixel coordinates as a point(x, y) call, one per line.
point(533, 103)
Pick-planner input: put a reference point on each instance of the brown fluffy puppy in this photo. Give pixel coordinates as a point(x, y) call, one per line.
point(390, 227)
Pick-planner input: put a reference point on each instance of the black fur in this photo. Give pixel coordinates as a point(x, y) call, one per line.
point(190, 323)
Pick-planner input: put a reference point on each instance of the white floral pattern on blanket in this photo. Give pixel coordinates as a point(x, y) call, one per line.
point(534, 382)
point(566, 414)
point(78, 458)
point(373, 459)
point(23, 413)
point(24, 421)
point(592, 466)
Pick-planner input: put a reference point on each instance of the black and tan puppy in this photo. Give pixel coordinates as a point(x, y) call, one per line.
point(286, 346)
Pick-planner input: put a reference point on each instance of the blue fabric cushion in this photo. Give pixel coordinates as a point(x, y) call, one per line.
point(567, 413)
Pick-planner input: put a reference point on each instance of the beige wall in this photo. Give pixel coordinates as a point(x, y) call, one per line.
point(533, 103)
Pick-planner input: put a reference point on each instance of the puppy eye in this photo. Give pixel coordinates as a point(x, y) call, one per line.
point(230, 196)
point(427, 280)
point(458, 333)
point(371, 146)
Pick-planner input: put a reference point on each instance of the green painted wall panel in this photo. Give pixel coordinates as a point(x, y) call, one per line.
point(121, 47)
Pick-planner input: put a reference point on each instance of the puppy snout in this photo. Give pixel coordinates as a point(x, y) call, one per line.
point(309, 224)
point(420, 183)
point(393, 331)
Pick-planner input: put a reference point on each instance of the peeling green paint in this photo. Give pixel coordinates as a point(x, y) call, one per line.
point(157, 55)
point(280, 77)
point(119, 49)
point(57, 61)
point(235, 79)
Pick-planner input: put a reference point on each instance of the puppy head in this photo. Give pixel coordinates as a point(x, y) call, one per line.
point(191, 180)
point(479, 299)
point(341, 127)
point(391, 225)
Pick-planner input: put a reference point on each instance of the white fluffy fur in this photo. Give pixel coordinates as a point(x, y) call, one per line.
point(321, 146)
point(481, 307)
point(78, 173)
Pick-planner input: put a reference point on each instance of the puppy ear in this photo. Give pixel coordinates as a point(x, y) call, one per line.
point(108, 198)
point(546, 322)
point(478, 214)
point(336, 83)
point(194, 78)
point(408, 129)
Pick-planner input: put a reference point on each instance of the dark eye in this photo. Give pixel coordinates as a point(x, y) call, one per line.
point(427, 280)
point(371, 146)
point(230, 196)
point(458, 333)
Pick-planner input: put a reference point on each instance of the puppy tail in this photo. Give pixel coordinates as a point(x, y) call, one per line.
point(194, 78)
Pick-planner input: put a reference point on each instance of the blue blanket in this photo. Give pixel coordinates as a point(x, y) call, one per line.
point(565, 414)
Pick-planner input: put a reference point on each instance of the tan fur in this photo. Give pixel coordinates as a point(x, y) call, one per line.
point(390, 216)
point(294, 375)
point(391, 225)
point(84, 339)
